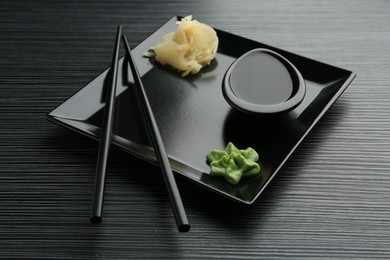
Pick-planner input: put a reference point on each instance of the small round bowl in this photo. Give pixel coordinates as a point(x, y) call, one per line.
point(263, 83)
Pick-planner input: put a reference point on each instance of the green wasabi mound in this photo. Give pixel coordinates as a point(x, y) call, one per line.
point(233, 164)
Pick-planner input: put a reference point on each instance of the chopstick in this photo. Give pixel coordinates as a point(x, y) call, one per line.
point(105, 136)
point(162, 158)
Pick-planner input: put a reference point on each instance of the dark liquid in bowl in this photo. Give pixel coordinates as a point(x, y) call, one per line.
point(260, 78)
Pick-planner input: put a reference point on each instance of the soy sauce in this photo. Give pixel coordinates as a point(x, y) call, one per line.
point(261, 78)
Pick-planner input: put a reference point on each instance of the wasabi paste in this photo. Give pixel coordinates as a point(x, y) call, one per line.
point(233, 164)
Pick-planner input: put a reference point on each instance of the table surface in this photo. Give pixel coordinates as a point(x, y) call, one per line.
point(331, 199)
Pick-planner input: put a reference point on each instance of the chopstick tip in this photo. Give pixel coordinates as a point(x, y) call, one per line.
point(184, 228)
point(96, 220)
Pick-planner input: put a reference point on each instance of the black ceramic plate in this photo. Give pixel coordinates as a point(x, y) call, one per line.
point(194, 117)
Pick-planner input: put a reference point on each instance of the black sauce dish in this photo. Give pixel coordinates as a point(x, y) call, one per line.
point(262, 82)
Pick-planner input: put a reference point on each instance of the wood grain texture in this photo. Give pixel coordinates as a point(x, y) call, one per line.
point(331, 200)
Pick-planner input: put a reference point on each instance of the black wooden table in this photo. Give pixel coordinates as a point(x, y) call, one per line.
point(331, 199)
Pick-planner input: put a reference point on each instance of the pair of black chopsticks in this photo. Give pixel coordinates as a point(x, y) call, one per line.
point(105, 140)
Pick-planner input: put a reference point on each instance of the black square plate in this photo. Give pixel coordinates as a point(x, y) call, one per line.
point(194, 118)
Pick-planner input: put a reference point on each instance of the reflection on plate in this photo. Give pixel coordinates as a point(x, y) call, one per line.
point(194, 117)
